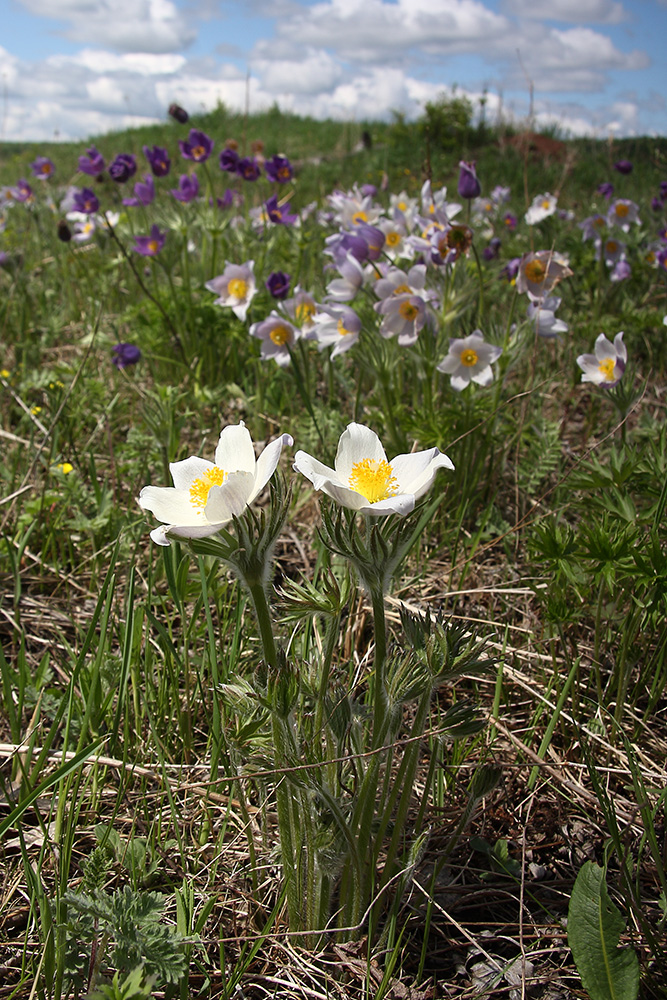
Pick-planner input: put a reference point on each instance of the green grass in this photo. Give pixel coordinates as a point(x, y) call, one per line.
point(438, 762)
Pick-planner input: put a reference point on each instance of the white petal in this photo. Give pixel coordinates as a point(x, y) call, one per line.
point(230, 499)
point(356, 444)
point(485, 377)
point(403, 503)
point(170, 505)
point(184, 473)
point(312, 469)
point(267, 463)
point(416, 472)
point(165, 532)
point(235, 452)
point(604, 348)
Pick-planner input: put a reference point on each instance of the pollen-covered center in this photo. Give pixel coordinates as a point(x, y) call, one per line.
point(402, 290)
point(535, 272)
point(200, 488)
point(469, 357)
point(342, 329)
point(237, 287)
point(546, 204)
point(359, 216)
point(153, 246)
point(393, 239)
point(606, 368)
point(304, 312)
point(622, 211)
point(408, 311)
point(280, 335)
point(611, 246)
point(198, 152)
point(373, 479)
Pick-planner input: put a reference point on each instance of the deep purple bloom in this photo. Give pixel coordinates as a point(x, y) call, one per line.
point(158, 160)
point(227, 199)
point(85, 201)
point(279, 169)
point(149, 246)
point(493, 249)
point(198, 146)
point(510, 221)
point(248, 168)
point(342, 243)
point(188, 188)
point(22, 191)
point(123, 167)
point(373, 237)
point(663, 189)
point(662, 259)
point(657, 204)
point(623, 167)
point(4, 259)
point(606, 189)
point(229, 160)
point(511, 269)
point(280, 214)
point(144, 193)
point(278, 284)
point(43, 167)
point(469, 187)
point(179, 114)
point(125, 354)
point(92, 163)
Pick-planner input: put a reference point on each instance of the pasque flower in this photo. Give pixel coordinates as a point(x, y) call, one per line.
point(278, 284)
point(158, 160)
point(248, 168)
point(229, 160)
point(542, 207)
point(86, 202)
point(540, 271)
point(22, 190)
point(207, 495)
point(188, 188)
point(235, 287)
point(469, 360)
point(43, 167)
point(179, 114)
point(604, 368)
point(623, 212)
point(279, 169)
point(337, 326)
point(469, 186)
point(144, 193)
point(197, 147)
point(150, 246)
point(363, 480)
point(279, 214)
point(122, 168)
point(278, 336)
point(623, 166)
point(125, 354)
point(92, 162)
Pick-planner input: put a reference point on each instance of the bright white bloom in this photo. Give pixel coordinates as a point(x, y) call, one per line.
point(540, 271)
point(207, 495)
point(405, 206)
point(235, 287)
point(394, 235)
point(336, 325)
point(435, 205)
point(278, 336)
point(604, 368)
point(353, 207)
point(362, 479)
point(623, 212)
point(544, 314)
point(352, 276)
point(543, 206)
point(469, 360)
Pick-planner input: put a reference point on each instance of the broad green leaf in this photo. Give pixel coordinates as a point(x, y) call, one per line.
point(594, 926)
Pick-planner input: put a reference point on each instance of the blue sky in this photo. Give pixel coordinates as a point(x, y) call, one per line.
point(75, 68)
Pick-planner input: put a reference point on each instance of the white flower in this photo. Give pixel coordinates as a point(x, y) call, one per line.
point(604, 368)
point(364, 480)
point(544, 314)
point(352, 277)
point(540, 271)
point(403, 317)
point(469, 360)
point(543, 206)
point(622, 212)
point(235, 287)
point(338, 325)
point(207, 495)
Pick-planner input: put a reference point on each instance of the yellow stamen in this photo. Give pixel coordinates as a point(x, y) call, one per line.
point(393, 239)
point(152, 245)
point(469, 358)
point(408, 311)
point(65, 468)
point(198, 151)
point(401, 206)
point(373, 479)
point(359, 216)
point(280, 335)
point(200, 488)
point(401, 290)
point(237, 288)
point(606, 368)
point(343, 330)
point(304, 311)
point(546, 204)
point(535, 272)
point(622, 210)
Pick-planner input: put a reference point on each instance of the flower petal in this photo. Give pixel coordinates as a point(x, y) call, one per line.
point(185, 472)
point(230, 499)
point(267, 463)
point(235, 452)
point(356, 444)
point(170, 505)
point(416, 472)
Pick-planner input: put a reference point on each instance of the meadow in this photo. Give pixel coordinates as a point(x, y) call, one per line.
point(333, 563)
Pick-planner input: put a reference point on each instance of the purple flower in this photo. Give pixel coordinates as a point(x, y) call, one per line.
point(343, 243)
point(373, 237)
point(123, 167)
point(657, 204)
point(510, 221)
point(43, 167)
point(280, 214)
point(150, 246)
point(188, 188)
point(662, 259)
point(621, 271)
point(85, 201)
point(278, 284)
point(158, 160)
point(279, 169)
point(663, 189)
point(623, 167)
point(511, 269)
point(179, 114)
point(248, 168)
point(198, 147)
point(144, 193)
point(368, 191)
point(606, 189)
point(229, 160)
point(125, 354)
point(469, 187)
point(92, 163)
point(22, 191)
point(493, 249)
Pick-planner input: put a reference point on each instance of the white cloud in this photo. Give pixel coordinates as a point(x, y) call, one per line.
point(318, 72)
point(575, 11)
point(126, 25)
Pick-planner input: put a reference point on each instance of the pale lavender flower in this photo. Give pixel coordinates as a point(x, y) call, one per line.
point(623, 213)
point(235, 287)
point(604, 368)
point(352, 276)
point(278, 336)
point(540, 271)
point(544, 316)
point(403, 316)
point(469, 360)
point(337, 325)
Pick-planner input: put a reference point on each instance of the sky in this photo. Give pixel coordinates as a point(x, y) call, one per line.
point(72, 69)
